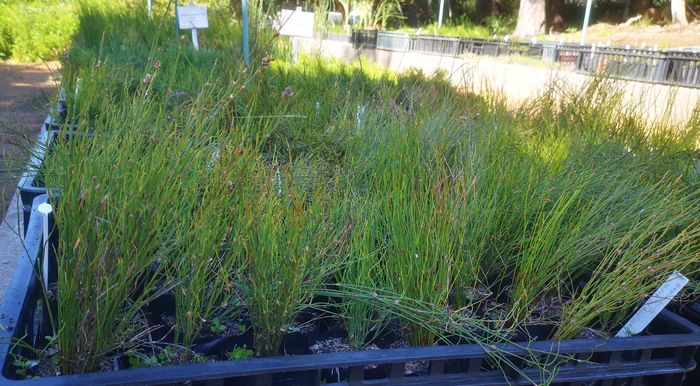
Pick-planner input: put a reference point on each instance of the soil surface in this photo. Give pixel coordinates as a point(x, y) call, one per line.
point(25, 90)
point(670, 36)
point(24, 94)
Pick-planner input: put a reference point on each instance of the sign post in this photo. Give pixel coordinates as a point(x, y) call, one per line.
point(586, 17)
point(177, 22)
point(193, 17)
point(195, 39)
point(244, 16)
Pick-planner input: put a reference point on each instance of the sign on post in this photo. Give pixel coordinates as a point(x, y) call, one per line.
point(295, 23)
point(193, 17)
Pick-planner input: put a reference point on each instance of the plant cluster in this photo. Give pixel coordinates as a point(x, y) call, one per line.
point(261, 200)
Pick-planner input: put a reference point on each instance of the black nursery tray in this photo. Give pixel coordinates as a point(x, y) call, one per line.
point(29, 185)
point(692, 313)
point(662, 355)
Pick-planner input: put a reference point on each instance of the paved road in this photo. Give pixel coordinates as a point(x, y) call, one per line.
point(24, 93)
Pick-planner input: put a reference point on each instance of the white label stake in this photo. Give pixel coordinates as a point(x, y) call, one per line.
point(360, 113)
point(657, 302)
point(45, 209)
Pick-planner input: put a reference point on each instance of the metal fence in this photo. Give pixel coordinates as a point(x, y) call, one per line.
point(366, 39)
point(665, 67)
point(649, 65)
point(338, 38)
point(398, 41)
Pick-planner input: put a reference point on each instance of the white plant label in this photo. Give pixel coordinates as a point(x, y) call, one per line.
point(360, 113)
point(653, 306)
point(45, 209)
point(295, 23)
point(192, 17)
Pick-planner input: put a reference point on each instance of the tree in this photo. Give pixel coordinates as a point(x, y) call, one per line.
point(555, 16)
point(531, 18)
point(678, 12)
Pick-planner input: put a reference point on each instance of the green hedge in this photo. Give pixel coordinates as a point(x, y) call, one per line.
point(36, 30)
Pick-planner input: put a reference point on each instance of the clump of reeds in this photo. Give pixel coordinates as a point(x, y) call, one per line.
point(254, 189)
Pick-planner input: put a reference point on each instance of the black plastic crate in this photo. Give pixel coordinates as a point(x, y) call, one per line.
point(57, 114)
point(29, 186)
point(364, 39)
point(662, 355)
point(691, 312)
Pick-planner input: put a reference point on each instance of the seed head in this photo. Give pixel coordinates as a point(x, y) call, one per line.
point(287, 93)
point(207, 86)
point(156, 65)
point(266, 61)
point(147, 79)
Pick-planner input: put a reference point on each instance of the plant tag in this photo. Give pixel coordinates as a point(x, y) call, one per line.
point(45, 209)
point(295, 22)
point(360, 113)
point(653, 306)
point(192, 17)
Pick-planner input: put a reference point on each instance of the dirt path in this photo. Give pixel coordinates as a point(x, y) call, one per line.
point(24, 94)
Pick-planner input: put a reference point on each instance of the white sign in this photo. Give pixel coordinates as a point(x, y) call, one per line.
point(192, 17)
point(295, 23)
point(657, 302)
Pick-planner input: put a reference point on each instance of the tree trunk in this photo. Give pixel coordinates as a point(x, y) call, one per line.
point(236, 8)
point(483, 10)
point(678, 12)
point(531, 18)
point(555, 16)
point(627, 10)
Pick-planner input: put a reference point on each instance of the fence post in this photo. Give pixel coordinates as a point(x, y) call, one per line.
point(661, 70)
point(579, 59)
